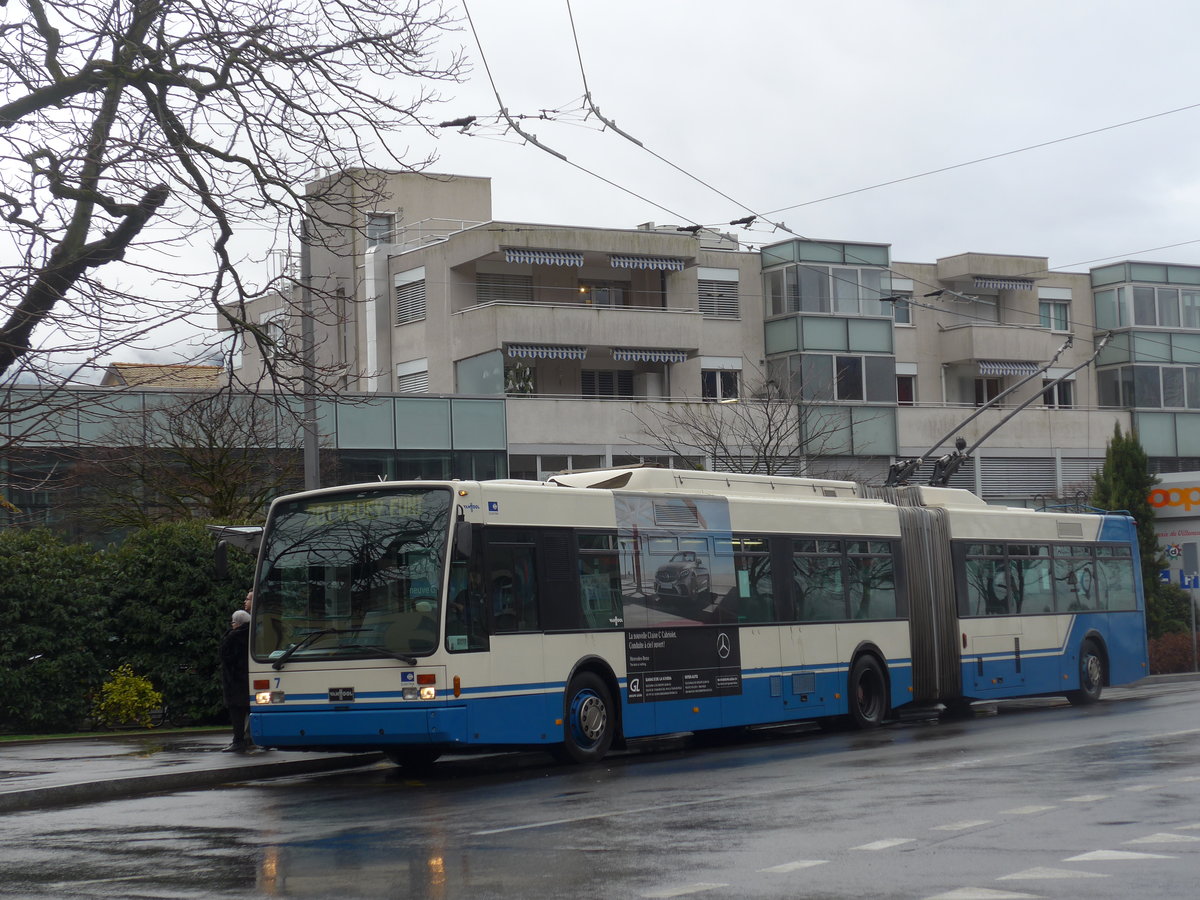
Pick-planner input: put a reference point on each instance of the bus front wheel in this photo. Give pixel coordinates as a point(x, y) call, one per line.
point(590, 720)
point(868, 693)
point(1091, 675)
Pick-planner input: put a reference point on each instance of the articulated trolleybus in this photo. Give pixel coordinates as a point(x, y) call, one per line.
point(423, 617)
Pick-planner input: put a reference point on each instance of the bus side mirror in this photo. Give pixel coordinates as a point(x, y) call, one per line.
point(464, 539)
point(221, 561)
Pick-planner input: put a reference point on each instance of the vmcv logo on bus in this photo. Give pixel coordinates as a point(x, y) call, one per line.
point(1186, 498)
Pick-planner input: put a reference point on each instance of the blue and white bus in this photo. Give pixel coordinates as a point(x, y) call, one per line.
point(577, 613)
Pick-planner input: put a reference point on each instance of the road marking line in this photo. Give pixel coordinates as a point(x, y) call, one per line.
point(970, 893)
point(961, 826)
point(885, 844)
point(1087, 798)
point(1114, 855)
point(1164, 838)
point(1043, 872)
point(1025, 810)
point(1195, 827)
point(795, 866)
point(1187, 778)
point(1137, 788)
point(698, 888)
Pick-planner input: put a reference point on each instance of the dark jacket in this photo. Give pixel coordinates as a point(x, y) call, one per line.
point(234, 652)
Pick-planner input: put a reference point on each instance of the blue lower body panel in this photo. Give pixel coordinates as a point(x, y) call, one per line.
point(364, 728)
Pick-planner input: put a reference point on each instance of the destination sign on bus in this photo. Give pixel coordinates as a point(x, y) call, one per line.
point(383, 506)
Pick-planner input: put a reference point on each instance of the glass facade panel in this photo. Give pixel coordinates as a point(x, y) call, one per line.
point(1168, 307)
point(845, 291)
point(1172, 387)
point(1117, 350)
point(781, 336)
point(874, 430)
point(1156, 431)
point(1151, 346)
point(1147, 272)
point(1183, 274)
point(870, 336)
point(811, 251)
point(1108, 383)
point(816, 377)
point(822, 333)
point(880, 378)
point(366, 426)
point(773, 291)
point(867, 254)
point(779, 253)
point(1143, 306)
point(1109, 275)
point(1147, 389)
point(1191, 377)
point(422, 424)
point(848, 371)
point(478, 425)
point(1185, 348)
point(482, 374)
point(1187, 428)
point(1107, 313)
point(1190, 301)
point(814, 288)
point(874, 285)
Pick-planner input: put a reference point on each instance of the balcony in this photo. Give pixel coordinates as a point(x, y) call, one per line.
point(490, 326)
point(1002, 343)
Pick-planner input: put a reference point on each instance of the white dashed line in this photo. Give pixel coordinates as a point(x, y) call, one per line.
point(1164, 838)
point(885, 844)
point(795, 866)
point(1026, 810)
point(1043, 872)
point(961, 826)
point(971, 893)
point(685, 890)
point(1114, 855)
point(1138, 788)
point(1087, 798)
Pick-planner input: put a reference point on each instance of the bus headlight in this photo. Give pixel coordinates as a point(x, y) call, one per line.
point(428, 693)
point(266, 697)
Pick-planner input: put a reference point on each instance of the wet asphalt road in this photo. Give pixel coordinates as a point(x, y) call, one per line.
point(1037, 801)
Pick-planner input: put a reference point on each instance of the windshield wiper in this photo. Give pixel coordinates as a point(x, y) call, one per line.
point(384, 651)
point(308, 639)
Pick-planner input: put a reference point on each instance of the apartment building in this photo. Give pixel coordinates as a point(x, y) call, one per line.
point(586, 332)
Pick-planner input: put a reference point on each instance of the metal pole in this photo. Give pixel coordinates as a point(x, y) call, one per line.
point(312, 454)
point(1192, 604)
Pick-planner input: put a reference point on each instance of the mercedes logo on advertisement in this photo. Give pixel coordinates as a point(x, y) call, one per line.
point(723, 645)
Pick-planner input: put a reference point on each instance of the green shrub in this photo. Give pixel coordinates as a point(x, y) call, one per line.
point(126, 699)
point(53, 642)
point(169, 611)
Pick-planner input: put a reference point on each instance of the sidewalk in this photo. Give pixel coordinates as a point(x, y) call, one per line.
point(85, 770)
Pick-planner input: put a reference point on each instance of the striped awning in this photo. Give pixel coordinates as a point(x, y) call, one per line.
point(653, 356)
point(1003, 284)
point(992, 367)
point(546, 351)
point(665, 263)
point(543, 257)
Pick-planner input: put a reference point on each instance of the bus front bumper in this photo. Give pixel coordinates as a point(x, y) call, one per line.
point(365, 728)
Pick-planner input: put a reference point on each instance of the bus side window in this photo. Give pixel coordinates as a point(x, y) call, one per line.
point(512, 590)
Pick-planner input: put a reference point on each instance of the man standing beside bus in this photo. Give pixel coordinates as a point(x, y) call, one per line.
point(234, 653)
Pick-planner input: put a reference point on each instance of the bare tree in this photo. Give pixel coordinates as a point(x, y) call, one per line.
point(221, 456)
point(769, 432)
point(133, 132)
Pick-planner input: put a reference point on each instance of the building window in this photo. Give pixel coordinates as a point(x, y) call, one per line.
point(848, 378)
point(379, 228)
point(413, 383)
point(826, 289)
point(987, 389)
point(1058, 396)
point(1055, 314)
point(906, 390)
point(902, 310)
point(719, 384)
point(494, 288)
point(410, 301)
point(607, 383)
point(718, 299)
point(604, 293)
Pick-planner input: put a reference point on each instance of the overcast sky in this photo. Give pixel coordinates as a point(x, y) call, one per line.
point(779, 103)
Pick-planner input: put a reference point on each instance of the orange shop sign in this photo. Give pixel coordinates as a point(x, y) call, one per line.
point(1174, 499)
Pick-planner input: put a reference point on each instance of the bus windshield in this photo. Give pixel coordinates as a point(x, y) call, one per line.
point(352, 575)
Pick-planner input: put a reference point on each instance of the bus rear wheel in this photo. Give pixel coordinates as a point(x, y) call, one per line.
point(868, 693)
point(413, 758)
point(1091, 675)
point(589, 724)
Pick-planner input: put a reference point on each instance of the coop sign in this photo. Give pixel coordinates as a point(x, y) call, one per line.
point(1175, 500)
